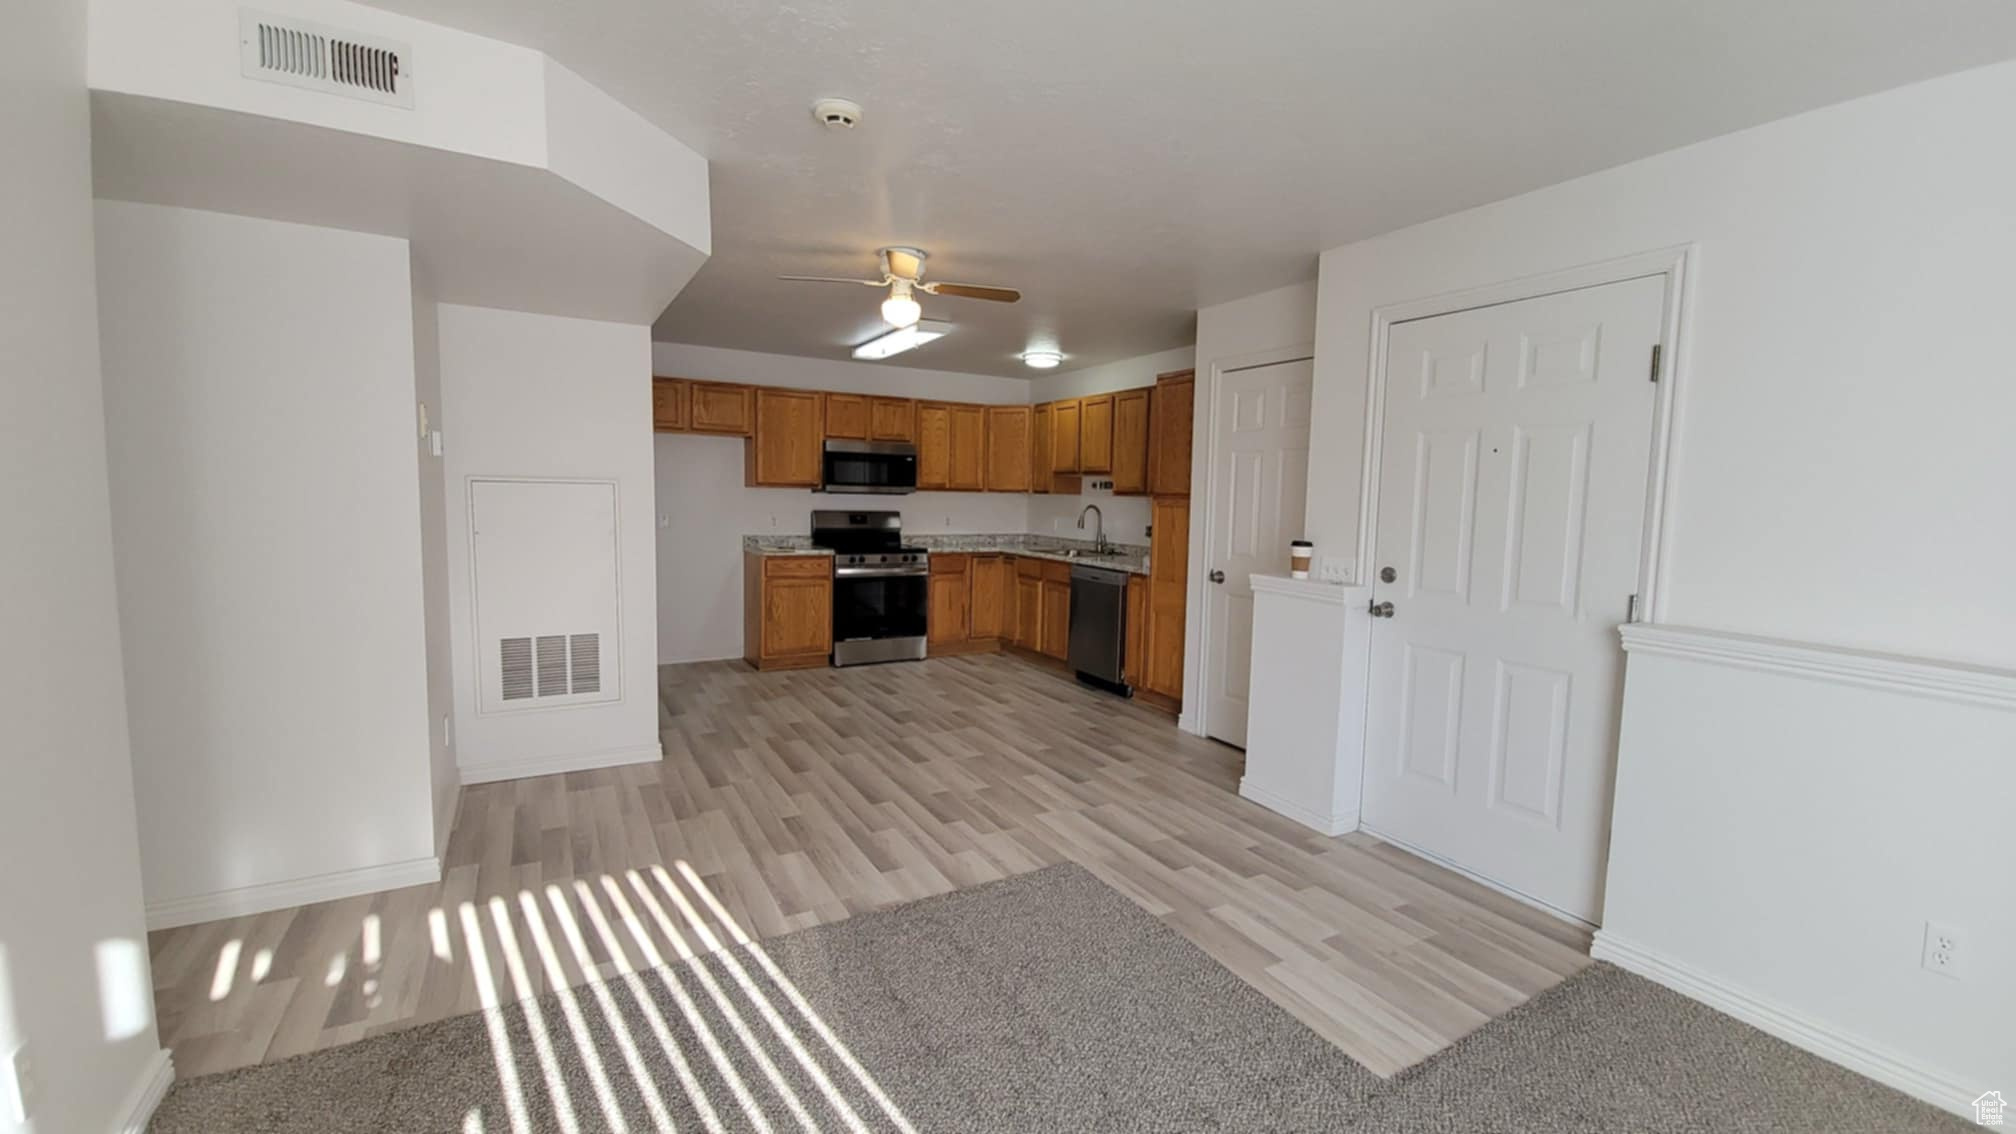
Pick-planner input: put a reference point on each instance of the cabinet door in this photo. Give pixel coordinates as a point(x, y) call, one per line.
point(1169, 550)
point(1136, 655)
point(784, 453)
point(1095, 433)
point(1008, 448)
point(1169, 456)
point(969, 448)
point(1039, 449)
point(669, 399)
point(1057, 618)
point(718, 407)
point(847, 417)
point(987, 608)
point(951, 604)
point(1130, 442)
point(797, 617)
point(1064, 436)
point(934, 445)
point(1028, 612)
point(892, 419)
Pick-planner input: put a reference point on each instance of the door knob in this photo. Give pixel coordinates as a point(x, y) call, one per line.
point(1216, 576)
point(1382, 610)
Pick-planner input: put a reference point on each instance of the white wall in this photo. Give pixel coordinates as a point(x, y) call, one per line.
point(1268, 327)
point(1842, 477)
point(74, 982)
point(1787, 821)
point(266, 516)
point(546, 397)
point(1842, 442)
point(445, 778)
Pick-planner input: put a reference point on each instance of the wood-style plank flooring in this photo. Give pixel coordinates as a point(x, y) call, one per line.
point(803, 797)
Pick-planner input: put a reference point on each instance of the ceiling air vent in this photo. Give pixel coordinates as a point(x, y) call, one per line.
point(317, 58)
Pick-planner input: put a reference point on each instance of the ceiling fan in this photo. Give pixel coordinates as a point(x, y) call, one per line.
point(903, 274)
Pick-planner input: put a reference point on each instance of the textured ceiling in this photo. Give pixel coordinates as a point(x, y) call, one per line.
point(1125, 162)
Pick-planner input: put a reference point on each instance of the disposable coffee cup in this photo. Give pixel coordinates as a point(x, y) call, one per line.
point(1300, 552)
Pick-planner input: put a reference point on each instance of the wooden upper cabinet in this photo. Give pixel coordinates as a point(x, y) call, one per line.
point(934, 445)
point(1130, 442)
point(1169, 420)
point(718, 407)
point(992, 590)
point(671, 399)
point(892, 419)
point(785, 450)
point(1095, 433)
point(1008, 448)
point(1039, 448)
point(847, 417)
point(969, 449)
point(1064, 440)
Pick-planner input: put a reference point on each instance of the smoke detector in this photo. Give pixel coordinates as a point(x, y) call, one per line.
point(836, 113)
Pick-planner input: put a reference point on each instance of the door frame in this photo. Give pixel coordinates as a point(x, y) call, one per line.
point(1676, 264)
point(1195, 717)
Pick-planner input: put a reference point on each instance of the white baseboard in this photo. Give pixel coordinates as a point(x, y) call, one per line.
point(1331, 825)
point(492, 771)
point(1482, 880)
point(1795, 1028)
point(146, 1094)
point(265, 896)
point(444, 823)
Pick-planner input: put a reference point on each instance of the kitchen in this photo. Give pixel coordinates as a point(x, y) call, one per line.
point(972, 518)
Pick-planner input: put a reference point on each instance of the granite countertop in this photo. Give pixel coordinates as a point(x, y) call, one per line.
point(1133, 557)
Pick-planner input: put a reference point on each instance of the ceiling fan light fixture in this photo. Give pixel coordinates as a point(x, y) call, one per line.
point(902, 339)
point(1042, 359)
point(899, 310)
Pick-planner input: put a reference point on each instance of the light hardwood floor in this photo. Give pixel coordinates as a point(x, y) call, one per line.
point(809, 796)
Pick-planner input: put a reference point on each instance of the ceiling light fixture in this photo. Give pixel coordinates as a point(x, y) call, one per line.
point(1042, 359)
point(900, 309)
point(902, 339)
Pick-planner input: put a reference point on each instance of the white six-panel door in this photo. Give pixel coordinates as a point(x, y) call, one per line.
point(1259, 482)
point(1512, 496)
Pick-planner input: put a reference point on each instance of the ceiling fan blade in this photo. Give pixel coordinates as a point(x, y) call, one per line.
point(833, 279)
point(973, 291)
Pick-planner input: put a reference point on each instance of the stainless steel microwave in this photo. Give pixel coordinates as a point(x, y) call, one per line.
point(869, 466)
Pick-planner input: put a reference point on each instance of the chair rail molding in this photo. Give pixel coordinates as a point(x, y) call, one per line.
point(1927, 677)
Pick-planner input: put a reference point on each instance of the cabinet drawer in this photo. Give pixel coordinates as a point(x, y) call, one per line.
point(949, 563)
point(1027, 568)
point(1056, 571)
point(797, 566)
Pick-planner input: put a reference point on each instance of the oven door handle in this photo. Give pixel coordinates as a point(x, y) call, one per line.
point(878, 572)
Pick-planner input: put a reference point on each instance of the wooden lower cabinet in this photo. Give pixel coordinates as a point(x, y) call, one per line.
point(1168, 586)
point(1135, 654)
point(1056, 610)
point(1029, 603)
point(992, 590)
point(787, 610)
point(951, 601)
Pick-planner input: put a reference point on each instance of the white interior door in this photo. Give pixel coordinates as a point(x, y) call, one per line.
point(1259, 481)
point(1513, 481)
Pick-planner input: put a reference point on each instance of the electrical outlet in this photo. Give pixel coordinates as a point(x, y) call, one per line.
point(22, 1088)
point(1943, 952)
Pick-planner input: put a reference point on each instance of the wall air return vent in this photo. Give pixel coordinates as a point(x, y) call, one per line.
point(550, 665)
point(301, 54)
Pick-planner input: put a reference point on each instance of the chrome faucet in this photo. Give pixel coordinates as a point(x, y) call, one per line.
point(1099, 544)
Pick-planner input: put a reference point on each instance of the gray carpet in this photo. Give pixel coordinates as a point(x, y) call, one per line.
point(1049, 1002)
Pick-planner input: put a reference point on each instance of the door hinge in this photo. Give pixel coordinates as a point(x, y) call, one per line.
point(1631, 610)
point(1656, 351)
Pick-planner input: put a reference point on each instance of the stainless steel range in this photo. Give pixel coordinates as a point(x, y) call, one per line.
point(881, 589)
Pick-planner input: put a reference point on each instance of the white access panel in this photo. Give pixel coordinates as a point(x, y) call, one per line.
point(543, 566)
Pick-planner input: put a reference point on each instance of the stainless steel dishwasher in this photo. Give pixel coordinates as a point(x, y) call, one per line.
point(1098, 624)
